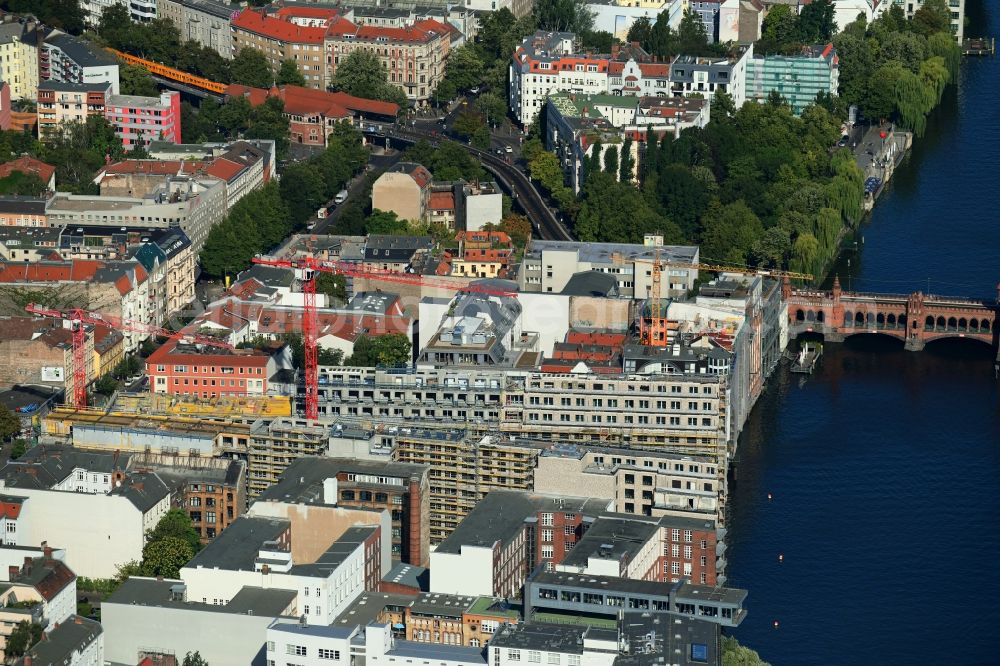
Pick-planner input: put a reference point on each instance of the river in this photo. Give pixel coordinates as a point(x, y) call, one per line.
point(884, 466)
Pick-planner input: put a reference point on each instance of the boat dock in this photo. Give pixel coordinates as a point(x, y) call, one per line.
point(979, 46)
point(807, 358)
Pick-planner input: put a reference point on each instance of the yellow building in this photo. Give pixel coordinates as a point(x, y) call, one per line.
point(109, 350)
point(19, 59)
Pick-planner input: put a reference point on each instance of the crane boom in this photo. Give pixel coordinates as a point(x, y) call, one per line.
point(307, 267)
point(79, 317)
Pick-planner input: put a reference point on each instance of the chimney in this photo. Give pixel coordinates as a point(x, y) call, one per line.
point(13, 571)
point(47, 550)
point(26, 660)
point(26, 568)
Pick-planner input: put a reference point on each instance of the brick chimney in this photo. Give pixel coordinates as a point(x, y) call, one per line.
point(26, 567)
point(13, 572)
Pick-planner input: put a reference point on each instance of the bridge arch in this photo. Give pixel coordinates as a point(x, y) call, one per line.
point(800, 315)
point(940, 323)
point(890, 320)
point(952, 324)
point(820, 317)
point(810, 315)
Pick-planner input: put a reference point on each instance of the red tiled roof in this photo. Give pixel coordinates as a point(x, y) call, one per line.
point(28, 165)
point(305, 101)
point(155, 167)
point(654, 69)
point(420, 175)
point(421, 31)
point(277, 28)
point(307, 12)
point(78, 270)
point(442, 201)
point(224, 169)
point(10, 510)
point(168, 353)
point(57, 577)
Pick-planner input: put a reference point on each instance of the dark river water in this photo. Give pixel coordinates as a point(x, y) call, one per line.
point(884, 465)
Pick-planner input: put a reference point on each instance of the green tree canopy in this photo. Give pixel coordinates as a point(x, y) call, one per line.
point(10, 424)
point(362, 74)
point(165, 557)
point(390, 350)
point(289, 73)
point(251, 68)
point(194, 659)
point(22, 638)
point(176, 523)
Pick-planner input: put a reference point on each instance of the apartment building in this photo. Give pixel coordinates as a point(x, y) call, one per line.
point(493, 550)
point(405, 190)
point(643, 482)
point(327, 571)
point(87, 503)
point(550, 62)
point(33, 166)
point(464, 468)
point(19, 58)
point(40, 351)
point(547, 266)
point(399, 488)
point(193, 204)
point(203, 21)
point(618, 16)
point(702, 76)
point(414, 56)
point(601, 408)
point(64, 58)
point(60, 104)
point(138, 121)
point(78, 641)
point(180, 368)
point(23, 211)
point(797, 78)
point(295, 32)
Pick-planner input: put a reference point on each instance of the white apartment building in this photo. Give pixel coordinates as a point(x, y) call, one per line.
point(548, 265)
point(549, 62)
point(85, 503)
point(261, 551)
point(697, 75)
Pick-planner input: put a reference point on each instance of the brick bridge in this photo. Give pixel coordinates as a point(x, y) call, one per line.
point(915, 318)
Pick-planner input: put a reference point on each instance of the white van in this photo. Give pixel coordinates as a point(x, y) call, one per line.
point(341, 197)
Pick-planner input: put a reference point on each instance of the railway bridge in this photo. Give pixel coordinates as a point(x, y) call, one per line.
point(915, 318)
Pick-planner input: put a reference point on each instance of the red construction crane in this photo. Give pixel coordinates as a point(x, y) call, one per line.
point(80, 317)
point(307, 267)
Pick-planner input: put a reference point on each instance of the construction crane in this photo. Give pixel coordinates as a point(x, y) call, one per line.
point(79, 318)
point(306, 269)
point(654, 332)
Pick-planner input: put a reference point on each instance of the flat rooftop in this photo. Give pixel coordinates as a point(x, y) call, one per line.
point(302, 481)
point(604, 253)
point(368, 608)
point(139, 591)
point(500, 515)
point(237, 546)
point(611, 538)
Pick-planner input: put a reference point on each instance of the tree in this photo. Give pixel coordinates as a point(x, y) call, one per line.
point(734, 654)
point(692, 39)
point(390, 350)
point(22, 638)
point(481, 138)
point(613, 211)
point(611, 160)
point(20, 183)
point(816, 22)
point(779, 30)
point(303, 190)
point(464, 68)
point(362, 74)
point(729, 232)
point(626, 162)
point(493, 107)
point(18, 449)
point(334, 286)
point(932, 17)
point(641, 32)
point(289, 73)
point(165, 557)
point(467, 123)
point(562, 16)
point(386, 222)
point(106, 385)
point(251, 68)
point(268, 121)
point(10, 424)
point(518, 227)
point(136, 81)
point(194, 659)
point(177, 524)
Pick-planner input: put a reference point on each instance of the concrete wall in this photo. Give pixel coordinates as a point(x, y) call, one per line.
point(469, 572)
point(398, 193)
point(547, 315)
point(606, 313)
point(563, 476)
point(99, 532)
point(482, 209)
point(223, 639)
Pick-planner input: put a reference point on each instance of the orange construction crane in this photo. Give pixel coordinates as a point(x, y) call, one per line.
point(653, 329)
point(80, 317)
point(306, 269)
